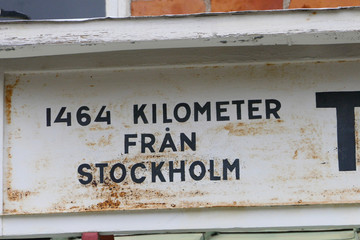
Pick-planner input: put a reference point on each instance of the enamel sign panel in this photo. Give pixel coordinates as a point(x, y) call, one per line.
point(182, 137)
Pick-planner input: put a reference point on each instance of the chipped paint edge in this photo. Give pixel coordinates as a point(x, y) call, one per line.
point(299, 203)
point(233, 219)
point(298, 27)
point(202, 14)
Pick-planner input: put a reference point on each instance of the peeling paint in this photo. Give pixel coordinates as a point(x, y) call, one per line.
point(7, 49)
point(19, 39)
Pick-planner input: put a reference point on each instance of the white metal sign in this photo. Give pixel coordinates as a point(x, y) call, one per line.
point(182, 137)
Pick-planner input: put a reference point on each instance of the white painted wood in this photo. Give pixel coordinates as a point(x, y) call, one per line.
point(111, 8)
point(331, 235)
point(124, 8)
point(196, 220)
point(191, 57)
point(299, 27)
point(117, 8)
point(286, 4)
point(184, 236)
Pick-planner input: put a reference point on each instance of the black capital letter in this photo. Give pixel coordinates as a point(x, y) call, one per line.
point(127, 143)
point(101, 167)
point(86, 174)
point(344, 102)
point(139, 113)
point(133, 174)
point(156, 171)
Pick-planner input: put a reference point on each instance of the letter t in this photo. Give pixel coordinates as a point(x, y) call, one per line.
point(344, 102)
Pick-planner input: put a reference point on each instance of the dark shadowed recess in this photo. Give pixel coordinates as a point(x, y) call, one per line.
point(56, 9)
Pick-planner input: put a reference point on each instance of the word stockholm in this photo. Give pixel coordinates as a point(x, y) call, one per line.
point(139, 172)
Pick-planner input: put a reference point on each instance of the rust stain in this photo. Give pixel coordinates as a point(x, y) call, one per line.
point(339, 192)
point(90, 144)
point(108, 204)
point(295, 154)
point(255, 128)
point(102, 142)
point(8, 150)
point(15, 195)
point(111, 203)
point(98, 127)
point(9, 173)
point(149, 205)
point(128, 195)
point(313, 174)
point(9, 90)
point(212, 67)
point(11, 212)
point(42, 163)
point(310, 144)
point(357, 142)
point(105, 141)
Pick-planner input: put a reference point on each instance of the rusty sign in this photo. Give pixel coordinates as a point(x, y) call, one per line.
point(182, 137)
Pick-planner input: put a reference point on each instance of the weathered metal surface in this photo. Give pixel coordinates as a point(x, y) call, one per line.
point(287, 155)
